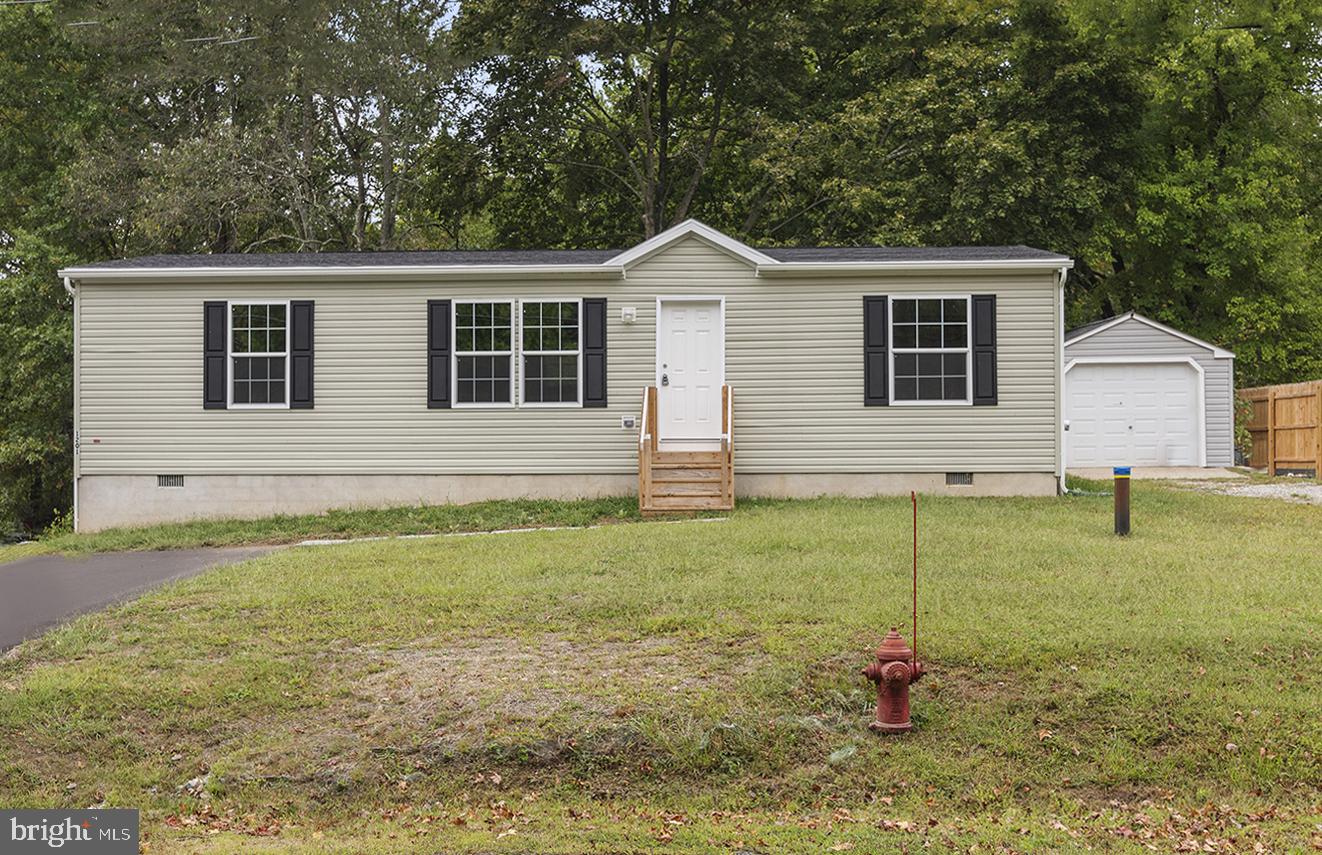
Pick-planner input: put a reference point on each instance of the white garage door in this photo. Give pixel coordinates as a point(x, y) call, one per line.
point(1133, 414)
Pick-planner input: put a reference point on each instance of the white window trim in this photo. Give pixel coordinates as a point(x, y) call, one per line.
point(967, 350)
point(512, 353)
point(577, 403)
point(229, 354)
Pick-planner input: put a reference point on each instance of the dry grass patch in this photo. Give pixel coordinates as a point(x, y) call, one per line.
point(542, 702)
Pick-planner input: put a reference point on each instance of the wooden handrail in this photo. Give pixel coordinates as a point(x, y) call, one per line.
point(647, 445)
point(727, 413)
point(727, 444)
point(653, 428)
point(647, 427)
point(643, 433)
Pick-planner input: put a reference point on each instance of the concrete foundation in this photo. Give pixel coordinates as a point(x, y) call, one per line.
point(110, 501)
point(893, 484)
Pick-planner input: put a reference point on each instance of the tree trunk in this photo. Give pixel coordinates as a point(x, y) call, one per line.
point(388, 179)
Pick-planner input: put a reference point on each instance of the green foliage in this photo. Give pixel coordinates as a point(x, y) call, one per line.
point(1219, 237)
point(1243, 416)
point(36, 387)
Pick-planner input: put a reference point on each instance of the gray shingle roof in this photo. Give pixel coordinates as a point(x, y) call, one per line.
point(556, 256)
point(365, 259)
point(911, 253)
point(1092, 325)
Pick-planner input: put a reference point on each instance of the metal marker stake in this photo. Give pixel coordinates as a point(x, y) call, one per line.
point(1122, 500)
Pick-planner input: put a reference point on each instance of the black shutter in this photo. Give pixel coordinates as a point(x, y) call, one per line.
point(438, 354)
point(300, 354)
point(215, 329)
point(594, 351)
point(876, 385)
point(984, 349)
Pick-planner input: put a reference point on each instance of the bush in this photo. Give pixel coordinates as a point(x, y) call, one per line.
point(36, 387)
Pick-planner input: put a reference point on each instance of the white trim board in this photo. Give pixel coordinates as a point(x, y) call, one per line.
point(1201, 392)
point(691, 228)
point(862, 268)
point(1217, 352)
point(412, 272)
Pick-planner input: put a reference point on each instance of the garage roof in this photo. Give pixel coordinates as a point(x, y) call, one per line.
point(1095, 327)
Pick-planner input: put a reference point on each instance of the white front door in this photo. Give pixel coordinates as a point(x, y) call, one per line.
point(1133, 414)
point(690, 368)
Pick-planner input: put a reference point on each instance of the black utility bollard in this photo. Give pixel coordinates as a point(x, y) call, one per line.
point(1122, 500)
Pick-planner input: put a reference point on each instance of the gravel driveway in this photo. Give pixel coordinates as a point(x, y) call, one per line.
point(1305, 492)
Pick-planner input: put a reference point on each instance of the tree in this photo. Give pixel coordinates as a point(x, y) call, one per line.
point(633, 101)
point(48, 105)
point(259, 125)
point(1219, 236)
point(36, 387)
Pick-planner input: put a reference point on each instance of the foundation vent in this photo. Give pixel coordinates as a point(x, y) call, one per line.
point(169, 480)
point(958, 478)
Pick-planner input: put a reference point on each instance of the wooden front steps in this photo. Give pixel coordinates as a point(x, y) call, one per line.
point(678, 481)
point(687, 481)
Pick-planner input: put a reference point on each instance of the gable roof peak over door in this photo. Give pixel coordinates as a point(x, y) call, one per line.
point(691, 228)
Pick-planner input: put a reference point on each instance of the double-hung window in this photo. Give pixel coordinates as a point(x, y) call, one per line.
point(484, 353)
point(930, 353)
point(518, 353)
point(259, 354)
point(550, 352)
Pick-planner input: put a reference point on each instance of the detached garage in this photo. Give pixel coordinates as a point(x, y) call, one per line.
point(1138, 393)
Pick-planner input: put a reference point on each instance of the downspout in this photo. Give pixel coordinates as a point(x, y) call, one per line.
point(77, 451)
point(1060, 384)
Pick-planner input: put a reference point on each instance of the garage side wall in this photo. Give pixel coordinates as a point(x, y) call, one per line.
point(1137, 339)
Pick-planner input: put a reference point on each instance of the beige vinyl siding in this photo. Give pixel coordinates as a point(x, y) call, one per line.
point(793, 356)
point(1131, 338)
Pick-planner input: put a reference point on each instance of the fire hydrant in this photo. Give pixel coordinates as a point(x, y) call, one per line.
point(893, 671)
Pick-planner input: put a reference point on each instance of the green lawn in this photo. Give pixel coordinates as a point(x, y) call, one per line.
point(694, 687)
point(338, 525)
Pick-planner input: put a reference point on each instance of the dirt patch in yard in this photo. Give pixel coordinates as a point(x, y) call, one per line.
point(532, 702)
point(465, 686)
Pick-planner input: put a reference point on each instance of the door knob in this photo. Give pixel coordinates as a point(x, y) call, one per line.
point(665, 379)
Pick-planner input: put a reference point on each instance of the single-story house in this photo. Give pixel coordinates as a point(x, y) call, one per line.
point(244, 385)
point(1138, 393)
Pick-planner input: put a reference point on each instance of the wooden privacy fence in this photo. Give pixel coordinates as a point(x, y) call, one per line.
point(1286, 427)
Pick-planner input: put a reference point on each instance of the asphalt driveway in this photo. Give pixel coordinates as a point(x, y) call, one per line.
point(39, 592)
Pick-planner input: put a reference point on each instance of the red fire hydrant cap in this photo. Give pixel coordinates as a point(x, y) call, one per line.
point(893, 647)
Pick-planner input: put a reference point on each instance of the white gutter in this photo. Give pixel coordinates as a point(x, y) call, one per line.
point(424, 272)
point(794, 268)
point(1060, 380)
point(358, 272)
point(77, 450)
